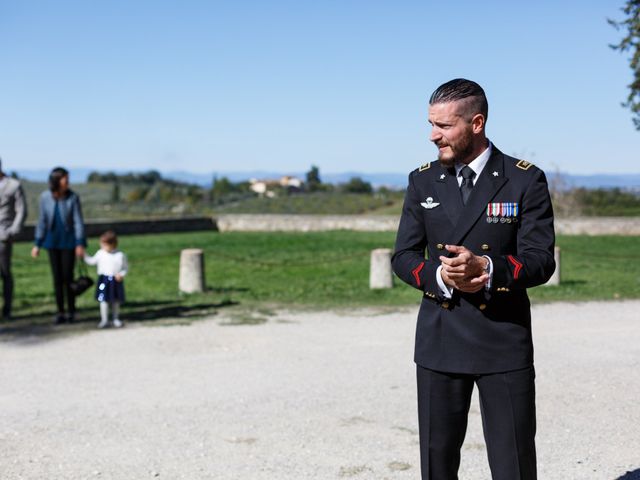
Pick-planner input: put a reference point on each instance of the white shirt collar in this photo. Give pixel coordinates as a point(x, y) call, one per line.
point(478, 163)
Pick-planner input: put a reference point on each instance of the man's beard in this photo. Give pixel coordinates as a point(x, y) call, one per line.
point(446, 162)
point(460, 154)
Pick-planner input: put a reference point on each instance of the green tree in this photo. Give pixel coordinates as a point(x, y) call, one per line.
point(357, 185)
point(631, 43)
point(221, 187)
point(313, 179)
point(612, 202)
point(150, 177)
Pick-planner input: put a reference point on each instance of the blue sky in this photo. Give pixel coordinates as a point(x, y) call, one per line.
point(275, 85)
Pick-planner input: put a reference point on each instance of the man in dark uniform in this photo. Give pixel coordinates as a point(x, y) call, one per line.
point(485, 222)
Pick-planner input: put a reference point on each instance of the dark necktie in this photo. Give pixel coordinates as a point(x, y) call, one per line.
point(467, 183)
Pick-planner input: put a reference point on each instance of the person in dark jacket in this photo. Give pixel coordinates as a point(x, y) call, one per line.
point(60, 229)
point(476, 231)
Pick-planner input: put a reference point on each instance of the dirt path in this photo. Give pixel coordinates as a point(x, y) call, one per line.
point(305, 395)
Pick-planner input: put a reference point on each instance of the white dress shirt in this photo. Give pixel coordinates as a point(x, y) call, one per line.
point(477, 165)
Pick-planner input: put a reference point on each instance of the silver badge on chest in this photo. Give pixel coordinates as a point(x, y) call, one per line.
point(429, 203)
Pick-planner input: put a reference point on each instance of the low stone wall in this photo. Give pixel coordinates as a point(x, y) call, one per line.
point(137, 227)
point(306, 223)
point(389, 223)
point(627, 226)
point(315, 223)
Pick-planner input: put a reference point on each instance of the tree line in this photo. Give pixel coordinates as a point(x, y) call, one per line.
point(151, 186)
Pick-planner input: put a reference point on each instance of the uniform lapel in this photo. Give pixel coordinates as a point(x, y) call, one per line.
point(491, 180)
point(449, 194)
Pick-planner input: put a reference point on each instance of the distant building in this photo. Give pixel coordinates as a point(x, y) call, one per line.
point(268, 187)
point(258, 186)
point(291, 182)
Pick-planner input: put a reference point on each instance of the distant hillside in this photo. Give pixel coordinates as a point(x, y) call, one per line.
point(391, 179)
point(626, 182)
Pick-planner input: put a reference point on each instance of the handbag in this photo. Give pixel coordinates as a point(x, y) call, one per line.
point(83, 282)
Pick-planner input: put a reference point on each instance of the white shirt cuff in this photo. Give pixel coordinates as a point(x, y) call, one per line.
point(446, 291)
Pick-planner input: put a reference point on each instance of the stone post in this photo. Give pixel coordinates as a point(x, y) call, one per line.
point(555, 278)
point(380, 274)
point(191, 270)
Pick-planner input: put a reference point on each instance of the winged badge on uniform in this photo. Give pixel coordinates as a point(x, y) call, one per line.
point(429, 203)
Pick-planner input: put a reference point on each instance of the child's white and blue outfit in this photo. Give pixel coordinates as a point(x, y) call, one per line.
point(109, 292)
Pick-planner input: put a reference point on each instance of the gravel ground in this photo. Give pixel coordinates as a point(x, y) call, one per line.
point(323, 395)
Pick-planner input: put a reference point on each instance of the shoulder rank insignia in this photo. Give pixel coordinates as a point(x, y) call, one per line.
point(524, 165)
point(424, 167)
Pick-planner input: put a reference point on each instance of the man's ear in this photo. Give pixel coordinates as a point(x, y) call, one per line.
point(477, 123)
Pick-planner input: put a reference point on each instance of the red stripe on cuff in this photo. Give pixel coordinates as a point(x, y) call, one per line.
point(416, 272)
point(517, 266)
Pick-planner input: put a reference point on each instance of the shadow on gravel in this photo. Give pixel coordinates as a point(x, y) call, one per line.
point(635, 475)
point(144, 312)
point(39, 328)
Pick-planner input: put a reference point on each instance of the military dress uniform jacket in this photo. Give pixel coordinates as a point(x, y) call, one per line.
point(508, 217)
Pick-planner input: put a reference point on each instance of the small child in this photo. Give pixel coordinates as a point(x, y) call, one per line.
point(112, 267)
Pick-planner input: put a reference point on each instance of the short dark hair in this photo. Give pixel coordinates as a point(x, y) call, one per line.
point(460, 89)
point(55, 176)
point(110, 238)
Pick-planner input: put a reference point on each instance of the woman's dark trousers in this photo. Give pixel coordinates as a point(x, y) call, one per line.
point(63, 262)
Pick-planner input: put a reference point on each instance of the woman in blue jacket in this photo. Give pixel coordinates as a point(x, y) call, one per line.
point(60, 229)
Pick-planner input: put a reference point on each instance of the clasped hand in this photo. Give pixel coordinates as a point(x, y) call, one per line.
point(465, 271)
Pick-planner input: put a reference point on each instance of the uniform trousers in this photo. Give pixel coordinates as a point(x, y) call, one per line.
point(507, 406)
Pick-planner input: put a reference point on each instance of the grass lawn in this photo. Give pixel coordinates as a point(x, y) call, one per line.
point(257, 272)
